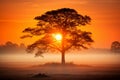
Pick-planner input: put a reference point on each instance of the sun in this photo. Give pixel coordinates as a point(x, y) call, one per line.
point(58, 36)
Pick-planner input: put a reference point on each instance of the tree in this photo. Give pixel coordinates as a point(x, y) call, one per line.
point(59, 30)
point(115, 47)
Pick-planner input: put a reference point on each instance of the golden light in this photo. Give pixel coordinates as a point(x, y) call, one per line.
point(58, 36)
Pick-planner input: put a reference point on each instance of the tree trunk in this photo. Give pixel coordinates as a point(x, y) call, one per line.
point(63, 51)
point(63, 58)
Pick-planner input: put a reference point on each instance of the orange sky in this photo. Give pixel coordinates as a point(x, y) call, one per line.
point(15, 15)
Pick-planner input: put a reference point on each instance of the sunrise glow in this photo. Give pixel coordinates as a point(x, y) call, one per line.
point(22, 16)
point(58, 37)
point(60, 40)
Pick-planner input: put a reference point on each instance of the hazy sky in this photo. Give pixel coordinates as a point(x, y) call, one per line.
point(15, 15)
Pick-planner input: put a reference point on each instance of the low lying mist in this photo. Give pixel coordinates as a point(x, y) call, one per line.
point(85, 57)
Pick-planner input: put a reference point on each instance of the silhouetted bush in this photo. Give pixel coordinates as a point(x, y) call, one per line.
point(40, 75)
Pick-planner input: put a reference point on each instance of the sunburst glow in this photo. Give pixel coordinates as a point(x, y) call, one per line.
point(58, 36)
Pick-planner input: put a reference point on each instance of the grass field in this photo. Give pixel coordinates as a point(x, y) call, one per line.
point(57, 72)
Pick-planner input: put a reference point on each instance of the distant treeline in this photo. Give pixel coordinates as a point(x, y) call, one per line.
point(12, 47)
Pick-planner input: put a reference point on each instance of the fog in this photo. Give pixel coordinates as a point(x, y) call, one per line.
point(87, 57)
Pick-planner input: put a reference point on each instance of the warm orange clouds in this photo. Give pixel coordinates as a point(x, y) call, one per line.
point(17, 14)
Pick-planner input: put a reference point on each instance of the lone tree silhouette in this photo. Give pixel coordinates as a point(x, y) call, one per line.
point(59, 30)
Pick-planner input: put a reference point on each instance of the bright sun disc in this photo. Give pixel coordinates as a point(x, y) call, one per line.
point(58, 37)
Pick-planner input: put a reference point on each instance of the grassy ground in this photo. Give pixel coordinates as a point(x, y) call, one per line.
point(81, 72)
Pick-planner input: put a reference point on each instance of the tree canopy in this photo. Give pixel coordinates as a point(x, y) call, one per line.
point(115, 46)
point(66, 22)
